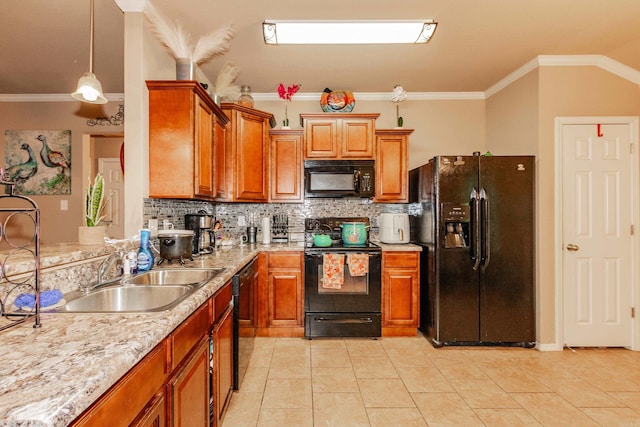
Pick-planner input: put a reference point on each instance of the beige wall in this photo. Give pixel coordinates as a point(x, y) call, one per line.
point(512, 118)
point(57, 225)
point(441, 126)
point(569, 91)
point(521, 117)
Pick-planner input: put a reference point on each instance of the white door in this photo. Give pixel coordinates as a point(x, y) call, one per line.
point(114, 185)
point(597, 209)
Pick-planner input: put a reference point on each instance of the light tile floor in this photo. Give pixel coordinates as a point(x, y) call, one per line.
point(406, 382)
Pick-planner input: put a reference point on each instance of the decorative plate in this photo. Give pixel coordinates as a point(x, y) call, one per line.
point(337, 101)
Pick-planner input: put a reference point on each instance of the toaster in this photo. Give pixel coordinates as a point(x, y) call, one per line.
point(393, 228)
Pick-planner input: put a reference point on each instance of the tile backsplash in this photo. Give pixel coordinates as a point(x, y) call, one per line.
point(228, 213)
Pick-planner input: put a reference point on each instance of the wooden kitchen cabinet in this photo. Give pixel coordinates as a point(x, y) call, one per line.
point(281, 294)
point(155, 415)
point(400, 293)
point(392, 173)
point(171, 385)
point(129, 397)
point(285, 287)
point(339, 136)
point(285, 170)
point(189, 389)
point(184, 125)
point(242, 163)
point(222, 336)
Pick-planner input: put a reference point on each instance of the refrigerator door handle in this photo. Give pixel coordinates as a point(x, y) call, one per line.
point(484, 214)
point(474, 202)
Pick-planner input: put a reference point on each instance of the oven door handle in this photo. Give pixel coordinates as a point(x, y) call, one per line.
point(348, 320)
point(318, 255)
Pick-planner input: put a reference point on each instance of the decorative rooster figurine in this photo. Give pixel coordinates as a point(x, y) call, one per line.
point(50, 158)
point(23, 171)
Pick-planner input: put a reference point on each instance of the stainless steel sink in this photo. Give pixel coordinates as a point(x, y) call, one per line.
point(174, 276)
point(123, 298)
point(156, 290)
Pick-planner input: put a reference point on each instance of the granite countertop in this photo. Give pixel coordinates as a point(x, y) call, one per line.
point(50, 375)
point(405, 247)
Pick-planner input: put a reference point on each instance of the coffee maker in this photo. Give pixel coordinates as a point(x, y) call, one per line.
point(202, 226)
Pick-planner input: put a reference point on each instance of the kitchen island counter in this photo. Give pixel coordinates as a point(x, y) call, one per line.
point(50, 375)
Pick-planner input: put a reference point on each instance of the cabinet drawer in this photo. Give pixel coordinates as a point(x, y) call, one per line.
point(284, 260)
point(401, 259)
point(188, 334)
point(123, 402)
point(221, 301)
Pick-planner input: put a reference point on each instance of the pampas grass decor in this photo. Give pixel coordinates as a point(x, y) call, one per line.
point(224, 86)
point(175, 37)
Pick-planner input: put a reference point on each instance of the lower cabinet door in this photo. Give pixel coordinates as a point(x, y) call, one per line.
point(189, 389)
point(155, 415)
point(223, 364)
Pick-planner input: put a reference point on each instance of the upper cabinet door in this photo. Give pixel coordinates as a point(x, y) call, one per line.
point(357, 138)
point(285, 171)
point(204, 176)
point(321, 139)
point(392, 174)
point(339, 136)
point(243, 161)
point(252, 155)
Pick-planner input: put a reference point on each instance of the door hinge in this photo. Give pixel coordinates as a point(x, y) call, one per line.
point(632, 229)
point(633, 312)
point(631, 148)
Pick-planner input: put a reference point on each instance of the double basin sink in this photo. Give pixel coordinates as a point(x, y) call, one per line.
point(152, 291)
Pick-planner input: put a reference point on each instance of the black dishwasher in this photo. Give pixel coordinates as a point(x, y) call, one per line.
point(244, 319)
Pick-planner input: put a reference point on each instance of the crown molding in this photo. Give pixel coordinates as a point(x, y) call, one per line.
point(600, 61)
point(378, 96)
point(51, 97)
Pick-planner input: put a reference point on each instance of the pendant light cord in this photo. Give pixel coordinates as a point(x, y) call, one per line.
point(91, 40)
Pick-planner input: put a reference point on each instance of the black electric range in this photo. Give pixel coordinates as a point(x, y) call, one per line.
point(352, 308)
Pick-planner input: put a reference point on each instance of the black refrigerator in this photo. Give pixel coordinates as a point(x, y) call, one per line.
point(474, 218)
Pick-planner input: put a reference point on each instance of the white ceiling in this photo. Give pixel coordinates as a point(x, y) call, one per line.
point(44, 44)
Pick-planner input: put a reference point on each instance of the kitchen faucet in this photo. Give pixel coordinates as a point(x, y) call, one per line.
point(104, 268)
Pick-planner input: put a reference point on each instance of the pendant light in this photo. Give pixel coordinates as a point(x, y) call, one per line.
point(89, 89)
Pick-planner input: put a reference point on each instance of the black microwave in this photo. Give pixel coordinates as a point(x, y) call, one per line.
point(339, 178)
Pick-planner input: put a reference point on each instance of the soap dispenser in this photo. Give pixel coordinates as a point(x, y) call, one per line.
point(145, 256)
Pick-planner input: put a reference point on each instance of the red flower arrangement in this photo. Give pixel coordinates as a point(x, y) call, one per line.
point(286, 94)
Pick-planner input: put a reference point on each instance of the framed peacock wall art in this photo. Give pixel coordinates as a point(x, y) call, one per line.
point(39, 161)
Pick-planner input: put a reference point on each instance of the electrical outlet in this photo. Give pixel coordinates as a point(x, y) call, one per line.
point(64, 205)
point(242, 222)
point(153, 227)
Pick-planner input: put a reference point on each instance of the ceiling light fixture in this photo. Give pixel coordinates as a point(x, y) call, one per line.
point(89, 88)
point(348, 32)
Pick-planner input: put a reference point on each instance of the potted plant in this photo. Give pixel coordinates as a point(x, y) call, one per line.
point(93, 232)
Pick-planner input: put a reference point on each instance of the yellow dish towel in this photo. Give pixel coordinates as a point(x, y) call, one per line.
point(332, 271)
point(358, 264)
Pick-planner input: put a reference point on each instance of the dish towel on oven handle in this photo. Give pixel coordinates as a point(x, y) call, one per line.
point(358, 264)
point(332, 271)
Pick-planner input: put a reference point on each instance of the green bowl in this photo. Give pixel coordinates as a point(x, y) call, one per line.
point(322, 240)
